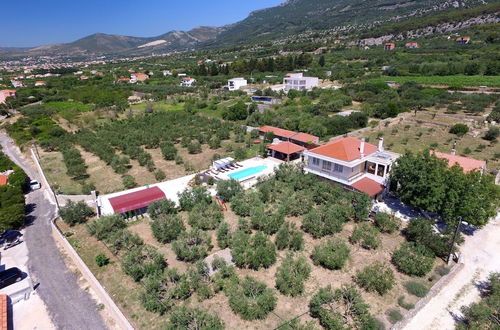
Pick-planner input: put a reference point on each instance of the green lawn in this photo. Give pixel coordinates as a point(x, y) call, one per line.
point(68, 105)
point(162, 105)
point(490, 81)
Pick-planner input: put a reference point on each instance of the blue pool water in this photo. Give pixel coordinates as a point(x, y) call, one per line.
point(247, 172)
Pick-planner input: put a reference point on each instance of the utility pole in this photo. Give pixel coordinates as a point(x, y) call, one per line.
point(454, 238)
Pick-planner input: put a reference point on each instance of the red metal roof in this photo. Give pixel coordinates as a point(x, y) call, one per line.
point(136, 200)
point(468, 164)
point(368, 186)
point(3, 179)
point(277, 131)
point(346, 149)
point(287, 148)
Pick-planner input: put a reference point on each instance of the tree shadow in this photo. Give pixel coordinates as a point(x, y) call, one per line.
point(29, 219)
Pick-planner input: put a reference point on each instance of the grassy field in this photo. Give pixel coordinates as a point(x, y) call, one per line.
point(430, 129)
point(126, 293)
point(458, 80)
point(68, 105)
point(158, 106)
point(55, 171)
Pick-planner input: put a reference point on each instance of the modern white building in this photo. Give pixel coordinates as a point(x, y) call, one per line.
point(298, 82)
point(236, 83)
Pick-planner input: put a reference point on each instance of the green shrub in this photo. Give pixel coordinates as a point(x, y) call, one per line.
point(74, 213)
point(143, 261)
point(325, 220)
point(416, 288)
point(348, 300)
point(123, 240)
point(331, 254)
point(192, 245)
point(103, 227)
point(421, 231)
point(163, 206)
point(459, 129)
point(289, 237)
point(227, 189)
point(167, 227)
point(243, 202)
point(101, 260)
point(265, 220)
point(413, 259)
point(129, 182)
point(192, 196)
point(193, 318)
point(405, 305)
point(291, 275)
point(163, 289)
point(394, 315)
point(251, 299)
point(492, 134)
point(205, 216)
point(367, 235)
point(253, 251)
point(387, 223)
point(194, 147)
point(223, 235)
point(376, 277)
point(160, 175)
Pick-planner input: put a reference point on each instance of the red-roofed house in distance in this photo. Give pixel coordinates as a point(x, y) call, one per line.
point(389, 46)
point(466, 163)
point(135, 77)
point(462, 40)
point(353, 163)
point(4, 179)
point(40, 83)
point(411, 45)
point(187, 82)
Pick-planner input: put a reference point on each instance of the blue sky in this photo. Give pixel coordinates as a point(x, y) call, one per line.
point(41, 22)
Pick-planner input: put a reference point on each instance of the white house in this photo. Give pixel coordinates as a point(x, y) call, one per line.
point(236, 83)
point(298, 82)
point(187, 82)
point(352, 162)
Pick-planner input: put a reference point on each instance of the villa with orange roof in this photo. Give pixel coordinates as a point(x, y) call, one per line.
point(353, 163)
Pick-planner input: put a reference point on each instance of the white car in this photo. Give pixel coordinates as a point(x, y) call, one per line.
point(35, 185)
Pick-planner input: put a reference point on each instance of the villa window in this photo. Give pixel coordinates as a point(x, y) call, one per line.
point(371, 167)
point(339, 168)
point(380, 170)
point(315, 161)
point(327, 166)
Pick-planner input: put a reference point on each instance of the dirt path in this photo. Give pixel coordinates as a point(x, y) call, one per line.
point(480, 258)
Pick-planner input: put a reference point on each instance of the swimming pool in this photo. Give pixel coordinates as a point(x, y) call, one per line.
point(247, 172)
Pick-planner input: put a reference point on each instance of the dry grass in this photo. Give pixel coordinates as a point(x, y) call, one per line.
point(125, 292)
point(430, 129)
point(55, 171)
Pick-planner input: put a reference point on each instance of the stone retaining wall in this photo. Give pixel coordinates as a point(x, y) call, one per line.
point(436, 288)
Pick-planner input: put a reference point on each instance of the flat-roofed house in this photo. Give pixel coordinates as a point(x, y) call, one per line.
point(298, 82)
point(236, 83)
point(411, 45)
point(353, 163)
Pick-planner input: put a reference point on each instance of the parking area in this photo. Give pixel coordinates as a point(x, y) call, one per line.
point(27, 309)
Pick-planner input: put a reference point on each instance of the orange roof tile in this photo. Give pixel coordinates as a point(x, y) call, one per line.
point(3, 179)
point(468, 164)
point(278, 131)
point(368, 186)
point(304, 137)
point(286, 148)
point(346, 149)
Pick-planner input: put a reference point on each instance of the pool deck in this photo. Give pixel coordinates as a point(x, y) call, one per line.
point(172, 187)
point(247, 182)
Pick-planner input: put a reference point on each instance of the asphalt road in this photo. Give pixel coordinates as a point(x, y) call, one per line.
point(69, 306)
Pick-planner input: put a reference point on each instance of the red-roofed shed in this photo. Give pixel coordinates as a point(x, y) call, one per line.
point(136, 200)
point(278, 132)
point(368, 186)
point(3, 179)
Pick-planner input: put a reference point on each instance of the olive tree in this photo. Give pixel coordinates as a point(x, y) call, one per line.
point(251, 299)
point(291, 275)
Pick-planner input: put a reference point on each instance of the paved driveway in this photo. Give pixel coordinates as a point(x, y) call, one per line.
point(69, 306)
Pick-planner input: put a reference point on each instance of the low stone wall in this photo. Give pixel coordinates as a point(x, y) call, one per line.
point(436, 288)
point(105, 299)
